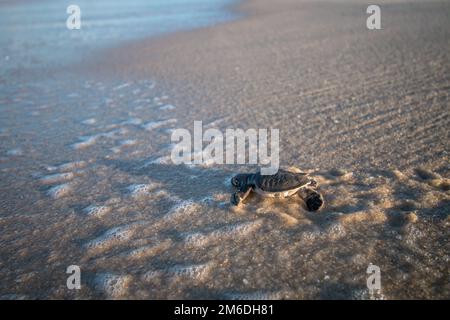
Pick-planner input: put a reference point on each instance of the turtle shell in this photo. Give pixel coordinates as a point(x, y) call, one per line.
point(281, 181)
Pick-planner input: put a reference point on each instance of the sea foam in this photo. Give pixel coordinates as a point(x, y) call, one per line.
point(112, 236)
point(157, 124)
point(57, 178)
point(112, 285)
point(60, 191)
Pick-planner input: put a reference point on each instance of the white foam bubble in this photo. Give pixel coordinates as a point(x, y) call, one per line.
point(128, 142)
point(122, 86)
point(214, 123)
point(57, 178)
point(114, 133)
point(15, 152)
point(141, 189)
point(196, 271)
point(97, 211)
point(152, 274)
point(140, 251)
point(115, 235)
point(167, 107)
point(90, 121)
point(159, 160)
point(113, 285)
point(310, 236)
point(124, 143)
point(197, 239)
point(333, 231)
point(336, 231)
point(170, 131)
point(243, 228)
point(116, 149)
point(69, 166)
point(157, 124)
point(181, 208)
point(132, 121)
point(258, 295)
point(85, 142)
point(192, 271)
point(60, 191)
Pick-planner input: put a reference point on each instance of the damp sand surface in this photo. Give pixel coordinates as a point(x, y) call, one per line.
point(86, 177)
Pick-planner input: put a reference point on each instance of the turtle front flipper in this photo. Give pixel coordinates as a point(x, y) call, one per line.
point(312, 198)
point(238, 197)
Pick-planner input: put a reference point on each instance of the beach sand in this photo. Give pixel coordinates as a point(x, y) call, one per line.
point(365, 112)
point(358, 97)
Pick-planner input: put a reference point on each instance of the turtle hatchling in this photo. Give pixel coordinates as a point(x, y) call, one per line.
point(283, 184)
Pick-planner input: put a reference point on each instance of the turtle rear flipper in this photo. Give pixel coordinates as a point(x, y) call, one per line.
point(314, 202)
point(312, 198)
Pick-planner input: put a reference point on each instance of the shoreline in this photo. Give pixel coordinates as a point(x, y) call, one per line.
point(43, 43)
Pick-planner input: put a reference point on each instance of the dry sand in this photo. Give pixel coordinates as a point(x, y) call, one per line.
point(365, 112)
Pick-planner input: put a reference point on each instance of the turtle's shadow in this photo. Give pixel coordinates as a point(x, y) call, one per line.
point(184, 182)
point(197, 184)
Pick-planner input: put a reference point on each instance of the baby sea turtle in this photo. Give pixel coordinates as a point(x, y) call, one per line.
point(280, 185)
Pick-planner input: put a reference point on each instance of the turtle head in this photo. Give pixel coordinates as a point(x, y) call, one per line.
point(313, 183)
point(240, 180)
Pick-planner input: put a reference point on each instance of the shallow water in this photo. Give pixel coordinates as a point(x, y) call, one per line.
point(34, 33)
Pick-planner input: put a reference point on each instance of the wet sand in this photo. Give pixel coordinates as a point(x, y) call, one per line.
point(358, 97)
point(365, 112)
